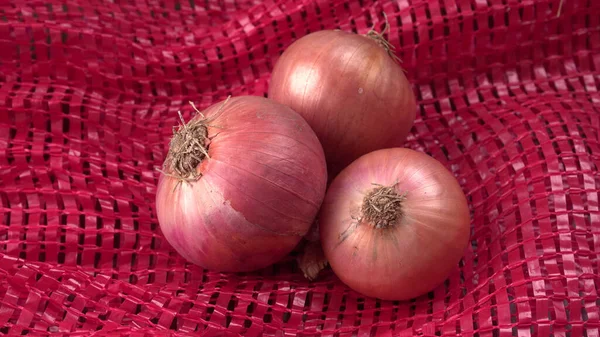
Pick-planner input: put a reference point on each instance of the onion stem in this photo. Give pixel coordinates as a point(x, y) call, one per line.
point(382, 41)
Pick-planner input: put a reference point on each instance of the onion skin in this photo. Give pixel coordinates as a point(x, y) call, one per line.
point(259, 190)
point(412, 256)
point(353, 94)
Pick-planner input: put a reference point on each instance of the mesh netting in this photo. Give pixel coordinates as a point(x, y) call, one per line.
point(89, 93)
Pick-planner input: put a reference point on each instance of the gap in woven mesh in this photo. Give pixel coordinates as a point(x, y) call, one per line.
point(166, 12)
point(133, 279)
point(512, 306)
point(251, 306)
point(491, 24)
point(28, 156)
point(82, 226)
point(413, 16)
point(153, 243)
point(120, 171)
point(476, 322)
point(117, 234)
point(445, 152)
point(97, 257)
point(151, 266)
point(134, 208)
point(360, 304)
point(493, 306)
point(307, 302)
point(136, 228)
point(32, 50)
point(447, 284)
point(138, 309)
point(521, 11)
point(153, 89)
point(174, 324)
point(412, 310)
point(429, 303)
point(327, 298)
point(376, 316)
point(103, 316)
point(61, 256)
point(7, 216)
point(137, 176)
point(115, 264)
point(12, 131)
point(151, 274)
point(66, 126)
point(507, 17)
point(186, 306)
point(65, 108)
point(287, 314)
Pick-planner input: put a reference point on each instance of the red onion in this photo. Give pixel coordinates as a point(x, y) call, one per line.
point(394, 224)
point(351, 91)
point(241, 185)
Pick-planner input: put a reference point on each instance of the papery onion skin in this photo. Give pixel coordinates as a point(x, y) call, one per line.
point(349, 89)
point(259, 190)
point(412, 256)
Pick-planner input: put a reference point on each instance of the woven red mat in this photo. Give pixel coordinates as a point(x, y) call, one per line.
point(89, 92)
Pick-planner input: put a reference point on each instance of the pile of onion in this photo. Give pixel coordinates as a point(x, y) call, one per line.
point(244, 181)
point(241, 185)
point(351, 91)
point(394, 224)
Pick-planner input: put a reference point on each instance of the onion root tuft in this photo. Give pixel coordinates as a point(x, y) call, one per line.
point(189, 146)
point(382, 206)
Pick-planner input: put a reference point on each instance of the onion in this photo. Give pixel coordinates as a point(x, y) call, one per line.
point(350, 89)
point(394, 224)
point(241, 185)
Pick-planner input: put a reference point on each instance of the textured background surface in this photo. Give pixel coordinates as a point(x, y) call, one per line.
point(89, 91)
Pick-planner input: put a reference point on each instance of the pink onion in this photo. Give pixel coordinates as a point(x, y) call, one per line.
point(351, 91)
point(394, 224)
point(241, 186)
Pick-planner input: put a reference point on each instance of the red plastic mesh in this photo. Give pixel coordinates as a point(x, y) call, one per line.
point(89, 92)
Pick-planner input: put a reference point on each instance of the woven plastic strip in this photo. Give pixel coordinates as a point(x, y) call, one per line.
point(89, 90)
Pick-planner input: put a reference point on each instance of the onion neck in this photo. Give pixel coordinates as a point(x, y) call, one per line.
point(189, 145)
point(382, 41)
point(382, 206)
point(187, 149)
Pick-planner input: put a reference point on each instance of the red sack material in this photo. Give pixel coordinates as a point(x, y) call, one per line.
point(89, 93)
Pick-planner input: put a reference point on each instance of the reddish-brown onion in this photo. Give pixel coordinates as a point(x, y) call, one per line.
point(394, 224)
point(247, 204)
point(351, 91)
